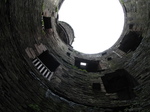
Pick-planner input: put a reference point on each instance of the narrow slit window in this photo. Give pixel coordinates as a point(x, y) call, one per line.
point(83, 64)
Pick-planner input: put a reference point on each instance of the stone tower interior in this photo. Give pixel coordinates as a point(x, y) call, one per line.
point(41, 72)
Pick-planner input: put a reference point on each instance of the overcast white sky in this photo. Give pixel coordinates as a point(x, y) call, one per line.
point(97, 24)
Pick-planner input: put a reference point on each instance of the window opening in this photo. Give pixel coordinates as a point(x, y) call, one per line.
point(50, 62)
point(120, 82)
point(83, 64)
point(130, 41)
point(88, 65)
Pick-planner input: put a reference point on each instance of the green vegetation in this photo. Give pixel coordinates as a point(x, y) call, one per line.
point(43, 32)
point(83, 70)
point(121, 1)
point(42, 23)
point(74, 67)
point(43, 7)
point(56, 9)
point(34, 107)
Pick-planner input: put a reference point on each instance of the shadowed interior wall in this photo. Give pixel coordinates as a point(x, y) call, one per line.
point(24, 89)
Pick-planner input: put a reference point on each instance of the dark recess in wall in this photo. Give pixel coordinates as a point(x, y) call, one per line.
point(130, 41)
point(68, 54)
point(47, 22)
point(131, 26)
point(109, 58)
point(49, 60)
point(104, 53)
point(120, 82)
point(91, 66)
point(96, 86)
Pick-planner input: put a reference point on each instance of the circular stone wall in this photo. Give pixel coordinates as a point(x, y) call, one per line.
point(39, 72)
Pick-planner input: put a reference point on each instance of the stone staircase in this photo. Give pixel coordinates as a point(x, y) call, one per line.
point(42, 68)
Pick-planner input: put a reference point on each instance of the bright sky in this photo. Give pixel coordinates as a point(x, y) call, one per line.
point(97, 24)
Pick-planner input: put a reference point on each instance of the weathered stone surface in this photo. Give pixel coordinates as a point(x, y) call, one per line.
point(24, 89)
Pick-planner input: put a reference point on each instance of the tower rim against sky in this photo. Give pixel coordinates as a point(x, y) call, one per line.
point(99, 27)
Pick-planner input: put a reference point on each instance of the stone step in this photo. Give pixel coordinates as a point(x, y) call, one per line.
point(49, 78)
point(42, 69)
point(35, 60)
point(37, 63)
point(40, 66)
point(48, 73)
point(44, 73)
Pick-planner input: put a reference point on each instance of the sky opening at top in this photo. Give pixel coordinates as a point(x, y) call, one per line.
point(97, 24)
